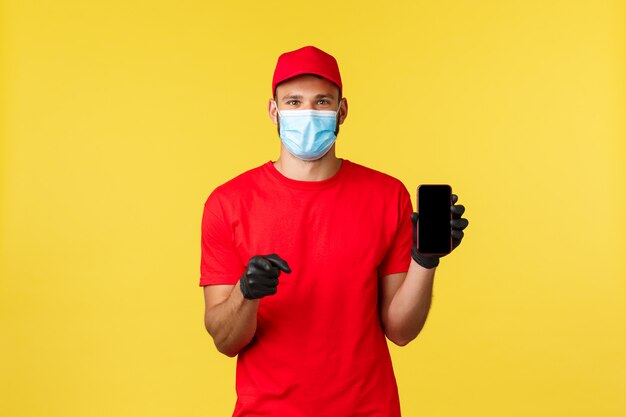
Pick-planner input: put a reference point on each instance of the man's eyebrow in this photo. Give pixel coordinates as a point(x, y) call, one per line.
point(300, 97)
point(292, 97)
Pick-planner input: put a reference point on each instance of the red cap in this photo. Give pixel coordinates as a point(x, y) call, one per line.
point(307, 60)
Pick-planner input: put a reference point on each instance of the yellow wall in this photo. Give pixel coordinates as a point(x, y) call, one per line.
point(119, 118)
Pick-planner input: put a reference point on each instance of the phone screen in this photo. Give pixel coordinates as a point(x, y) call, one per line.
point(433, 227)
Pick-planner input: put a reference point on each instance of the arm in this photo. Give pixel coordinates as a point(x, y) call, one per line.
point(229, 317)
point(405, 297)
point(231, 310)
point(404, 303)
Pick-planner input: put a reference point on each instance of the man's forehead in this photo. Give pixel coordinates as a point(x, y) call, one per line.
point(307, 86)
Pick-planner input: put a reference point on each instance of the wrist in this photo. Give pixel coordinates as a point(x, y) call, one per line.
point(245, 288)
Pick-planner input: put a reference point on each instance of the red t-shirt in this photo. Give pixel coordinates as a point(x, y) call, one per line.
point(319, 349)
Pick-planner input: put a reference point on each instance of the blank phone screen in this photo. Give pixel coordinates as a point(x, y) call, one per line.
point(434, 219)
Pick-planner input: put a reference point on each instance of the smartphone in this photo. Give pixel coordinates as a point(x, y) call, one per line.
point(433, 225)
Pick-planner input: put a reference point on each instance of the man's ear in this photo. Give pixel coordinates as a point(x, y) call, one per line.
point(271, 111)
point(343, 110)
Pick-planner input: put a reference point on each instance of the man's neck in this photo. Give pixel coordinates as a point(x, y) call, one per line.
point(297, 169)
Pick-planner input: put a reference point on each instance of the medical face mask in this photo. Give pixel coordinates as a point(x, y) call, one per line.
point(308, 134)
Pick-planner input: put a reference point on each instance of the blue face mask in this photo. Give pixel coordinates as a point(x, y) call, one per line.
point(308, 134)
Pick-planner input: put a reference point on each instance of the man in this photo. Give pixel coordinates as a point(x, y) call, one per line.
point(309, 262)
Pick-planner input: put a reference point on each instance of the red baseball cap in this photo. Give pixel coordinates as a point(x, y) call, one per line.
point(306, 60)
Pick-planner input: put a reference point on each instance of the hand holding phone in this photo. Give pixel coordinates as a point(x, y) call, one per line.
point(438, 225)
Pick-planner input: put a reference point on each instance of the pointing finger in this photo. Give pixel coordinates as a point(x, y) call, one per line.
point(278, 262)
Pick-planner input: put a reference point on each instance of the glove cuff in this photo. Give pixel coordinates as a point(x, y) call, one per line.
point(428, 262)
point(245, 289)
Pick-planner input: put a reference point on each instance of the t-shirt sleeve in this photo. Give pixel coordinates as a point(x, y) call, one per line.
point(219, 263)
point(398, 257)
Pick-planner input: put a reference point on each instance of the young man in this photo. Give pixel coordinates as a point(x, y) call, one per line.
point(309, 262)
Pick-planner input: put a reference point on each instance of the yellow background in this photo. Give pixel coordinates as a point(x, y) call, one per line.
point(118, 118)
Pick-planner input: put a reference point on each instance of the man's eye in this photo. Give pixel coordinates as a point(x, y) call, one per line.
point(292, 102)
point(323, 102)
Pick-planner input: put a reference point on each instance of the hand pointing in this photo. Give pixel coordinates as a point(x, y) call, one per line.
point(261, 276)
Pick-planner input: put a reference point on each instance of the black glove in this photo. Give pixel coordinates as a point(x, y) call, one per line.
point(457, 224)
point(261, 277)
